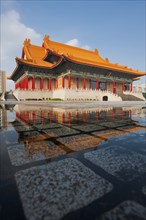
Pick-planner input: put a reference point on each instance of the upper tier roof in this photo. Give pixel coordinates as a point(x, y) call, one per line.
point(33, 55)
point(82, 56)
point(75, 53)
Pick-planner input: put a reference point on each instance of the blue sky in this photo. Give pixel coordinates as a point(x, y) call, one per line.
point(115, 28)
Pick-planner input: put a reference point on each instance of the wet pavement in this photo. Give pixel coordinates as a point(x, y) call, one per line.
point(72, 163)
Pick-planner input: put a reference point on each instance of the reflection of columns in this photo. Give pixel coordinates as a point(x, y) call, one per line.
point(77, 83)
point(50, 117)
point(77, 117)
point(123, 114)
point(114, 86)
point(123, 85)
point(34, 118)
point(27, 118)
point(84, 118)
point(42, 117)
point(97, 116)
point(130, 114)
point(69, 118)
point(97, 84)
point(69, 80)
point(84, 83)
point(130, 87)
point(113, 113)
point(105, 115)
point(63, 82)
point(63, 117)
point(33, 83)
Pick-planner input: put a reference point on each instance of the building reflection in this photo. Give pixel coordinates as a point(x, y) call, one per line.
point(54, 131)
point(3, 117)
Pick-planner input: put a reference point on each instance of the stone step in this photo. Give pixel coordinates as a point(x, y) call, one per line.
point(10, 97)
point(129, 97)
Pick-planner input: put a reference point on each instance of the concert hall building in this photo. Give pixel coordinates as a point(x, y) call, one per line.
point(60, 71)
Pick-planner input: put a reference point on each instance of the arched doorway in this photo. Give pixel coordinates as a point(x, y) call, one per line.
point(105, 98)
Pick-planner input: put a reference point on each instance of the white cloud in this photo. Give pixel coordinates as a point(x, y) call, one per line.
point(87, 47)
point(13, 33)
point(75, 42)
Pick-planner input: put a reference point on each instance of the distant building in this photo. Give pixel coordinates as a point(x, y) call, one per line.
point(2, 81)
point(140, 88)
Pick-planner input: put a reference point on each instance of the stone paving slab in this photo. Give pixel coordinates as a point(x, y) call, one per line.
point(21, 154)
point(127, 210)
point(144, 190)
point(88, 127)
point(110, 133)
point(11, 137)
point(30, 133)
point(53, 190)
point(118, 161)
point(57, 132)
point(21, 128)
point(80, 142)
point(47, 125)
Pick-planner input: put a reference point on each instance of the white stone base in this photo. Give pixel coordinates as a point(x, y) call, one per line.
point(66, 94)
point(32, 94)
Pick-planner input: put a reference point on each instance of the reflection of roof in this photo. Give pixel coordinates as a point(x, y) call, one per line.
point(35, 56)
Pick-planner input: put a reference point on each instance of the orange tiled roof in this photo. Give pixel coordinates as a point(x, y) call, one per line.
point(35, 56)
point(83, 56)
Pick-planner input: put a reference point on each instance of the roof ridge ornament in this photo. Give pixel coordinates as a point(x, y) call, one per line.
point(107, 60)
point(96, 51)
point(46, 38)
point(27, 42)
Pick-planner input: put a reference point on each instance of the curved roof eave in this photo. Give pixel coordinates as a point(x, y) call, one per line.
point(100, 65)
point(21, 62)
point(39, 65)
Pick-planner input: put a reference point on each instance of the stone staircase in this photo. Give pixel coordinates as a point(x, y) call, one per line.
point(129, 97)
point(9, 96)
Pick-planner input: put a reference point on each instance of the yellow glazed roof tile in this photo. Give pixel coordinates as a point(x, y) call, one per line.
point(34, 55)
point(72, 52)
point(83, 56)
